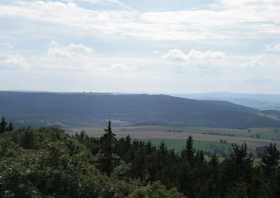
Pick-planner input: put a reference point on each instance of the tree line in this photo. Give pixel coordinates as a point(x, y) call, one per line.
point(191, 171)
point(47, 162)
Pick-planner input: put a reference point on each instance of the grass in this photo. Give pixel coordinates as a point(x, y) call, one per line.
point(205, 139)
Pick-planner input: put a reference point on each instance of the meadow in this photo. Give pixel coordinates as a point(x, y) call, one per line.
point(212, 140)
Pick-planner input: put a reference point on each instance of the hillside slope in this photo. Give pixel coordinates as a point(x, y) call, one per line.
point(258, 101)
point(77, 109)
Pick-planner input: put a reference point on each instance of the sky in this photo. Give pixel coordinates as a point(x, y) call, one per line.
point(140, 46)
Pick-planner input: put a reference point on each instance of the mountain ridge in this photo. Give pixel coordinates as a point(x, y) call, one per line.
point(77, 109)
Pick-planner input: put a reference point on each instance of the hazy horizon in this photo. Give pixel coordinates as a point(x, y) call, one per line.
point(143, 92)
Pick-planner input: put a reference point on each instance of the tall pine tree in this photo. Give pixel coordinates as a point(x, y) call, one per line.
point(107, 159)
point(188, 152)
point(270, 160)
point(3, 125)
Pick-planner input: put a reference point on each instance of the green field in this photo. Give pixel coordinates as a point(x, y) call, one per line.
point(212, 140)
point(179, 145)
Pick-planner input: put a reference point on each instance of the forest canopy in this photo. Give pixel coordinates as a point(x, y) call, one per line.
point(47, 162)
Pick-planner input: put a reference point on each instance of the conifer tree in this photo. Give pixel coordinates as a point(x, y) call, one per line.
point(10, 127)
point(3, 125)
point(107, 143)
point(241, 161)
point(188, 152)
point(270, 159)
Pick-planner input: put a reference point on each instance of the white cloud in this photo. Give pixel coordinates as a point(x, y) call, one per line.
point(265, 61)
point(211, 64)
point(198, 58)
point(72, 56)
point(221, 29)
point(14, 61)
point(69, 51)
point(106, 4)
point(242, 19)
point(273, 48)
point(250, 3)
point(77, 57)
point(207, 55)
point(176, 55)
point(121, 68)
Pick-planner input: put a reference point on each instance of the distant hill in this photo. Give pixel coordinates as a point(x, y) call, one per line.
point(273, 113)
point(259, 101)
point(86, 109)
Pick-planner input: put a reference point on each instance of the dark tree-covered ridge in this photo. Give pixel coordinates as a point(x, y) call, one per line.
point(78, 109)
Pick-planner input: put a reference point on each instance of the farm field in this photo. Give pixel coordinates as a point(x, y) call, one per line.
point(206, 139)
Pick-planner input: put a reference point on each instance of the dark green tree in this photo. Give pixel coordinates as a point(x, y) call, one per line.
point(241, 160)
point(10, 127)
point(270, 160)
point(188, 152)
point(107, 159)
point(3, 125)
point(28, 139)
point(199, 157)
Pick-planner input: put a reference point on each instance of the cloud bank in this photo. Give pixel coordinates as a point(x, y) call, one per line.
point(222, 44)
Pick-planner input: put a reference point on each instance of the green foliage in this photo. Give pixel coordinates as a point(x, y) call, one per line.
point(240, 161)
point(45, 163)
point(28, 139)
point(10, 127)
point(5, 126)
point(155, 190)
point(270, 160)
point(107, 159)
point(188, 152)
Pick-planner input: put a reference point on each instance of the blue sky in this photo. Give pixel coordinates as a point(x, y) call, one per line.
point(152, 46)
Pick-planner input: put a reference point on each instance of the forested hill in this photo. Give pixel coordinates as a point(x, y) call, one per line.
point(77, 109)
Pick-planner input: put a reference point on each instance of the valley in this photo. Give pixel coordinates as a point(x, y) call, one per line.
point(207, 139)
